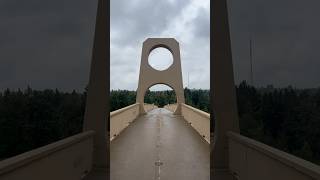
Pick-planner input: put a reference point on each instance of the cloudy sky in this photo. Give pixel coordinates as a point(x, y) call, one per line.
point(132, 22)
point(286, 41)
point(47, 44)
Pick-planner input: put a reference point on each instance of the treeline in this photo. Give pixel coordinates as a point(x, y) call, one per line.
point(121, 98)
point(31, 118)
point(195, 97)
point(285, 118)
point(198, 98)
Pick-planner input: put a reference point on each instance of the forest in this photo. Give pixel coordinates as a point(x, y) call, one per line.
point(285, 118)
point(195, 97)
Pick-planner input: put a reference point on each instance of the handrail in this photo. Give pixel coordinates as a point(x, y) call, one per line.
point(15, 162)
point(168, 106)
point(121, 119)
point(198, 119)
point(303, 166)
point(113, 113)
point(204, 114)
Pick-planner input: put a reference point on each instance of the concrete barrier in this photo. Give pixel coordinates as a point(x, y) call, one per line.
point(171, 107)
point(251, 160)
point(121, 118)
point(70, 158)
point(149, 107)
point(198, 119)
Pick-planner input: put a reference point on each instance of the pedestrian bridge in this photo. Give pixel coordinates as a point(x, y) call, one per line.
point(146, 142)
point(156, 145)
point(159, 144)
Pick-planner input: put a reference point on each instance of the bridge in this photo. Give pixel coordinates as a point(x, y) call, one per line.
point(147, 142)
point(167, 143)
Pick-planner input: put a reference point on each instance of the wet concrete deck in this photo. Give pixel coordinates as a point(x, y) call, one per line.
point(159, 145)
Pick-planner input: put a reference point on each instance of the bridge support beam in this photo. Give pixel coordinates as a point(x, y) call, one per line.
point(97, 112)
point(224, 97)
point(149, 76)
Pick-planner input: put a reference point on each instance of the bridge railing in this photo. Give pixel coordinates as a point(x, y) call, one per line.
point(171, 107)
point(251, 160)
point(70, 158)
point(198, 119)
point(149, 107)
point(121, 118)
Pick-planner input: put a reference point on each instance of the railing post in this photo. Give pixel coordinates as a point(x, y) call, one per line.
point(225, 115)
point(97, 112)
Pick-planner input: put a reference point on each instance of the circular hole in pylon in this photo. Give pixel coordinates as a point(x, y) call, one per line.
point(160, 59)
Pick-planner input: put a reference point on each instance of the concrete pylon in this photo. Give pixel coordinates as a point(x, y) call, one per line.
point(97, 112)
point(224, 96)
point(149, 76)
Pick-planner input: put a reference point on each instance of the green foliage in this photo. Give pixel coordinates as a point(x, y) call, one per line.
point(286, 118)
point(160, 98)
point(121, 98)
point(198, 98)
point(30, 118)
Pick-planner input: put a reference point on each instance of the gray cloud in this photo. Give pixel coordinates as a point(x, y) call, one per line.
point(46, 44)
point(131, 23)
point(202, 24)
point(133, 20)
point(286, 41)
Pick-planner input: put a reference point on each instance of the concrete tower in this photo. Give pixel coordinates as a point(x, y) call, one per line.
point(149, 76)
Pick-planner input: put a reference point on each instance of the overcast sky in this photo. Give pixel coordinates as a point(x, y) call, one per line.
point(286, 41)
point(47, 44)
point(132, 22)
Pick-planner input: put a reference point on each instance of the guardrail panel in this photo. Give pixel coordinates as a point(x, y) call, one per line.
point(199, 120)
point(149, 107)
point(251, 160)
point(121, 119)
point(171, 107)
point(70, 158)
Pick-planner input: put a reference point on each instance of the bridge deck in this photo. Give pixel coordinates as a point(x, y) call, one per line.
point(159, 145)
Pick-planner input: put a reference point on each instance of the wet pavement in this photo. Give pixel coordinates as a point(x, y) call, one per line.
point(159, 145)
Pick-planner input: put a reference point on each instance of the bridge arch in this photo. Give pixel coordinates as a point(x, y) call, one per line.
point(149, 76)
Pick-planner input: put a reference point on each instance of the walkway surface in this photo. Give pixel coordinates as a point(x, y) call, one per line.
point(159, 145)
